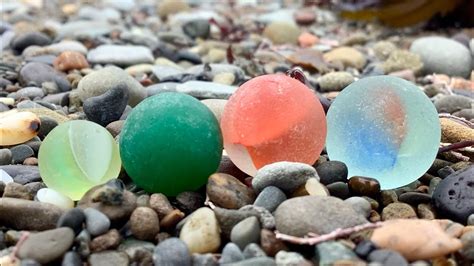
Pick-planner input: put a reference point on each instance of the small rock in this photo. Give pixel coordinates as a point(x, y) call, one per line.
point(414, 198)
point(204, 260)
point(282, 32)
point(425, 211)
point(245, 232)
point(206, 89)
point(70, 60)
point(160, 204)
point(270, 244)
point(454, 197)
point(144, 223)
point(253, 250)
point(28, 92)
point(467, 240)
point(348, 56)
point(289, 258)
point(18, 191)
point(305, 17)
point(452, 103)
point(97, 223)
point(470, 219)
point(201, 232)
point(115, 127)
point(364, 186)
point(228, 192)
point(401, 60)
point(47, 124)
point(398, 210)
point(387, 257)
point(287, 176)
point(28, 215)
point(360, 205)
point(20, 42)
point(443, 56)
point(109, 258)
point(313, 188)
point(71, 258)
point(20, 153)
point(73, 218)
point(46, 246)
point(217, 108)
point(329, 252)
point(5, 156)
point(316, 214)
point(339, 190)
point(49, 195)
point(189, 201)
point(109, 240)
point(335, 81)
point(140, 252)
point(108, 107)
point(216, 55)
point(270, 198)
point(331, 172)
point(415, 239)
point(231, 253)
point(170, 7)
point(259, 261)
point(121, 55)
point(224, 78)
point(172, 251)
point(199, 28)
point(22, 174)
point(35, 74)
point(364, 248)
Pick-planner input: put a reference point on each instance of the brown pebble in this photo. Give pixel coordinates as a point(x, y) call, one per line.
point(305, 17)
point(398, 210)
point(270, 244)
point(115, 127)
point(228, 192)
point(69, 60)
point(30, 161)
point(425, 211)
point(160, 204)
point(18, 191)
point(374, 217)
point(144, 223)
point(364, 186)
point(171, 219)
point(162, 236)
point(109, 240)
point(452, 132)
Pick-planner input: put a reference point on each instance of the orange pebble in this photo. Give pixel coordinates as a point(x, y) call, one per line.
point(307, 39)
point(70, 60)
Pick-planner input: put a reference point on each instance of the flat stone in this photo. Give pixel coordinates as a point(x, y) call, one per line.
point(387, 257)
point(231, 253)
point(259, 261)
point(35, 74)
point(228, 192)
point(270, 198)
point(245, 232)
point(206, 89)
point(20, 153)
point(315, 214)
point(172, 251)
point(289, 258)
point(15, 190)
point(229, 218)
point(85, 28)
point(46, 246)
point(201, 232)
point(329, 252)
point(97, 223)
point(120, 55)
point(5, 156)
point(360, 205)
point(28, 215)
point(22, 41)
point(398, 210)
point(109, 258)
point(452, 103)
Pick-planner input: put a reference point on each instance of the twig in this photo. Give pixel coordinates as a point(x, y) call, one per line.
point(458, 156)
point(460, 120)
point(22, 239)
point(313, 239)
point(456, 146)
point(209, 203)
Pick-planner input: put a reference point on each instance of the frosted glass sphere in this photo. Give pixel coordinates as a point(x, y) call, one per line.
point(76, 156)
point(383, 127)
point(273, 118)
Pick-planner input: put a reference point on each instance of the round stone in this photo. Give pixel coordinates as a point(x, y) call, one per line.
point(170, 143)
point(76, 156)
point(273, 118)
point(390, 124)
point(144, 223)
point(52, 196)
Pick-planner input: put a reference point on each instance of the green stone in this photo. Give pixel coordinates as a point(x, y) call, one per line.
point(170, 143)
point(76, 156)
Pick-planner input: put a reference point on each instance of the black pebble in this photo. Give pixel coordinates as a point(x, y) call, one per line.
point(445, 171)
point(47, 124)
point(108, 107)
point(22, 41)
point(339, 190)
point(20, 153)
point(364, 248)
point(331, 172)
point(73, 218)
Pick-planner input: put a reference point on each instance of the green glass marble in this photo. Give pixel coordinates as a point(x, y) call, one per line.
point(170, 143)
point(76, 156)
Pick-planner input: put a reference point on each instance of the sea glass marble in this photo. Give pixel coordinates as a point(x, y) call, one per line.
point(76, 156)
point(170, 143)
point(273, 118)
point(385, 128)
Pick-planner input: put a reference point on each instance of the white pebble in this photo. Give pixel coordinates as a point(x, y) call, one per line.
point(52, 196)
point(5, 177)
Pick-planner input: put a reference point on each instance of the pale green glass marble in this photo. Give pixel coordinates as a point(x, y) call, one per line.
point(76, 156)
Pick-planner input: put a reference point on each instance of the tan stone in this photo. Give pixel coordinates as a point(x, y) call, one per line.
point(415, 239)
point(348, 56)
point(452, 132)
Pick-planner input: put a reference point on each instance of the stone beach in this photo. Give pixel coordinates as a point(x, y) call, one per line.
point(82, 60)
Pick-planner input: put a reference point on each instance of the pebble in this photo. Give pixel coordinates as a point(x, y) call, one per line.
point(109, 258)
point(360, 205)
point(245, 232)
point(44, 247)
point(109, 240)
point(339, 190)
point(201, 232)
point(47, 124)
point(54, 197)
point(414, 198)
point(73, 218)
point(335, 81)
point(71, 258)
point(332, 171)
point(348, 56)
point(452, 132)
point(228, 192)
point(398, 210)
point(144, 223)
point(18, 191)
point(22, 174)
point(454, 197)
point(160, 204)
point(216, 106)
point(22, 41)
point(65, 46)
point(5, 178)
point(20, 153)
point(364, 186)
point(315, 214)
point(270, 198)
point(467, 240)
point(108, 107)
point(229, 218)
point(289, 258)
point(425, 211)
point(415, 239)
point(115, 127)
point(231, 253)
point(217, 69)
point(28, 215)
point(443, 56)
point(253, 250)
point(199, 28)
point(204, 260)
point(282, 32)
point(328, 253)
point(122, 55)
point(470, 219)
point(140, 252)
point(287, 176)
point(364, 248)
point(206, 89)
point(97, 223)
point(215, 55)
point(402, 60)
point(70, 60)
point(452, 103)
point(100, 81)
point(28, 92)
point(35, 74)
point(224, 78)
point(259, 261)
point(270, 244)
point(170, 7)
point(5, 156)
point(172, 251)
point(387, 257)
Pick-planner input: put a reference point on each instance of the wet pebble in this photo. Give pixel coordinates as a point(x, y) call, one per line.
point(364, 186)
